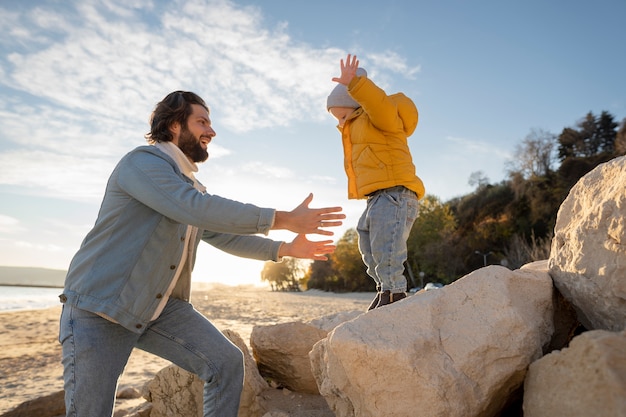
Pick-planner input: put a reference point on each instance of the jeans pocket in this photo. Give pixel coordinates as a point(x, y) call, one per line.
point(412, 210)
point(393, 197)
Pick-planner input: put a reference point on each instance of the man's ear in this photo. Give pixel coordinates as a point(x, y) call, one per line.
point(175, 131)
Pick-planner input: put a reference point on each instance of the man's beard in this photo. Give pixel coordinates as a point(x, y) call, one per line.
point(191, 146)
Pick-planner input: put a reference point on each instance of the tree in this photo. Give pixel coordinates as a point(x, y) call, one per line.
point(605, 133)
point(348, 263)
point(430, 237)
point(534, 156)
point(620, 139)
point(478, 179)
point(284, 275)
point(570, 141)
point(321, 275)
point(344, 271)
point(595, 135)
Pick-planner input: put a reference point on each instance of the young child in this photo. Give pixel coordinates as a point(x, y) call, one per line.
point(374, 129)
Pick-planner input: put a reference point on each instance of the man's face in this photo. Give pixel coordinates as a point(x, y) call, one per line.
point(195, 136)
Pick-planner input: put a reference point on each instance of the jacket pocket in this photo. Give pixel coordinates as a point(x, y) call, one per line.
point(368, 159)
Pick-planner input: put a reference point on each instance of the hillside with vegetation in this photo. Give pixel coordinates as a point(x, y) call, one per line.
point(508, 223)
point(31, 277)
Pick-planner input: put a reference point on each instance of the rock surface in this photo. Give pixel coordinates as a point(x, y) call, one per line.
point(588, 254)
point(586, 379)
point(458, 351)
point(176, 392)
point(282, 350)
point(47, 406)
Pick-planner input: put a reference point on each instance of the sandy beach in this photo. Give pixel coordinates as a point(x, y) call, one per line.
point(30, 353)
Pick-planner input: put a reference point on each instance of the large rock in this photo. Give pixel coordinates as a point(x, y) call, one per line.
point(176, 392)
point(586, 379)
point(565, 320)
point(47, 406)
point(588, 254)
point(253, 382)
point(282, 351)
point(331, 321)
point(457, 351)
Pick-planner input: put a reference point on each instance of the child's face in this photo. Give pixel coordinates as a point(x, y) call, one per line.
point(341, 114)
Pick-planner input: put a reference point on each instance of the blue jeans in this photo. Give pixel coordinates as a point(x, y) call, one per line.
point(383, 230)
point(95, 352)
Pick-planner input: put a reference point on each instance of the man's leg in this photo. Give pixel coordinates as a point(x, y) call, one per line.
point(186, 338)
point(95, 352)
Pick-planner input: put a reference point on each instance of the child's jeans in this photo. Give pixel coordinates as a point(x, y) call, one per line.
point(383, 230)
point(95, 352)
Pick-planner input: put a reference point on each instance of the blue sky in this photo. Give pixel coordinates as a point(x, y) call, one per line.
point(78, 80)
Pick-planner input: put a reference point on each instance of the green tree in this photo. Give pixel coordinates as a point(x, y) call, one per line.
point(620, 139)
point(321, 275)
point(430, 240)
point(284, 275)
point(595, 135)
point(605, 133)
point(348, 264)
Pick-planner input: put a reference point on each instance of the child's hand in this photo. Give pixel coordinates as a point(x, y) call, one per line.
point(348, 70)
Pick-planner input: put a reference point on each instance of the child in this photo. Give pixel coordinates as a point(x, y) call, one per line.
point(374, 129)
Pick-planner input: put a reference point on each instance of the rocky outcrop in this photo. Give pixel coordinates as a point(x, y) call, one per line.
point(47, 406)
point(253, 383)
point(176, 392)
point(282, 354)
point(588, 254)
point(586, 379)
point(458, 351)
point(282, 351)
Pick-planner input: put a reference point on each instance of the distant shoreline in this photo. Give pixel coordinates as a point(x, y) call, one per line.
point(34, 277)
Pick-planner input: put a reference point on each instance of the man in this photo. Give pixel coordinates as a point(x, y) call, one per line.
point(129, 283)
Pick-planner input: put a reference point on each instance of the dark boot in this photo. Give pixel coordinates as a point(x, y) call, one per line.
point(386, 297)
point(397, 296)
point(375, 302)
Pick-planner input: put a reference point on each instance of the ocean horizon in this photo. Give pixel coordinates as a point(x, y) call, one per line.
point(16, 298)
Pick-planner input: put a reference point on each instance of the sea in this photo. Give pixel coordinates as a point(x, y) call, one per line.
point(28, 298)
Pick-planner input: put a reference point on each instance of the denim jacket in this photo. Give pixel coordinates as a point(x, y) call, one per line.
point(127, 261)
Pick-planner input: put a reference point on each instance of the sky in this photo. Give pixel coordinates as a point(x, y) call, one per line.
point(79, 79)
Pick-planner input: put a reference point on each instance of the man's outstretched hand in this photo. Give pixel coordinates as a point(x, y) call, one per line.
point(305, 220)
point(303, 248)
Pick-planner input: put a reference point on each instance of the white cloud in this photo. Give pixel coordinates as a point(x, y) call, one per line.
point(467, 147)
point(81, 79)
point(74, 177)
point(394, 62)
point(10, 225)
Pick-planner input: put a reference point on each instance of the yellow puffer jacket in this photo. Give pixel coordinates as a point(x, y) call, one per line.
point(376, 152)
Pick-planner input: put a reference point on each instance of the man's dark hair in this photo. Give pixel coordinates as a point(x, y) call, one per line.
point(175, 107)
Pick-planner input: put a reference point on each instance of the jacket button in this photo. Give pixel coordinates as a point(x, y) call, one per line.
point(172, 266)
point(182, 238)
point(138, 325)
point(63, 298)
point(159, 295)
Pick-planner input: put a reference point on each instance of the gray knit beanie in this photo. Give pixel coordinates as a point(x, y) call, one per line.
point(339, 97)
